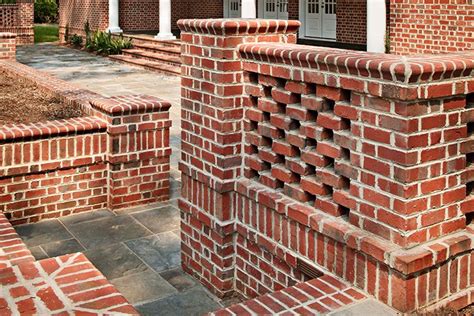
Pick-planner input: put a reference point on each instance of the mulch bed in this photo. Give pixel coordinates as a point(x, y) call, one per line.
point(24, 102)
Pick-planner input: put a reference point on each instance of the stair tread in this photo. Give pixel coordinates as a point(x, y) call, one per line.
point(158, 56)
point(159, 47)
point(148, 64)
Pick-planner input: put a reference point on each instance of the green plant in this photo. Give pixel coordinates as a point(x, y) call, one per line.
point(76, 40)
point(66, 34)
point(104, 44)
point(46, 11)
point(7, 2)
point(88, 32)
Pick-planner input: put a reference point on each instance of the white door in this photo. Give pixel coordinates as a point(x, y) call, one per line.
point(275, 9)
point(320, 18)
point(232, 9)
point(329, 19)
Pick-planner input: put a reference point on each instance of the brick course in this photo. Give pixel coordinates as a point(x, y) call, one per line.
point(18, 19)
point(353, 162)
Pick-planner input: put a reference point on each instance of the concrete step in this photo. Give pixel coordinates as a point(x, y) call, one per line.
point(159, 48)
point(148, 64)
point(174, 60)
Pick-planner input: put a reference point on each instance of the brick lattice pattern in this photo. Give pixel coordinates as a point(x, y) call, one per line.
point(18, 19)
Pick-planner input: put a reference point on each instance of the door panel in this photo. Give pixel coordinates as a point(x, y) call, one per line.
point(313, 21)
point(235, 7)
point(329, 19)
point(270, 9)
point(283, 9)
point(320, 18)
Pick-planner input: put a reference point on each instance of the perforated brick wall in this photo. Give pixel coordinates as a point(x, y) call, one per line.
point(18, 19)
point(426, 27)
point(354, 164)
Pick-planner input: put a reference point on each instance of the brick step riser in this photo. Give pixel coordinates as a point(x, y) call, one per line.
point(148, 67)
point(158, 60)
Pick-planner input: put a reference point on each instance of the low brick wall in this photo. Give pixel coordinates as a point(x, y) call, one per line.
point(8, 46)
point(354, 166)
point(18, 18)
point(116, 157)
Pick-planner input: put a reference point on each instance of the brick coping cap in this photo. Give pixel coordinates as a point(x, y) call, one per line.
point(407, 261)
point(86, 124)
point(133, 103)
point(395, 68)
point(238, 26)
point(7, 35)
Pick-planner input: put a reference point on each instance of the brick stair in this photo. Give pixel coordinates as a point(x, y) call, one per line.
point(160, 56)
point(63, 285)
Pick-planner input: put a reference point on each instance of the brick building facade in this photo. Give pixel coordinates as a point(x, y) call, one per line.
point(412, 26)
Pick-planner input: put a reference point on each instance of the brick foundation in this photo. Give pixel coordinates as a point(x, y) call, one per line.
point(354, 166)
point(8, 46)
point(18, 19)
point(116, 156)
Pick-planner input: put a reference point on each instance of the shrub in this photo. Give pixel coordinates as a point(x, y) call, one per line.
point(76, 40)
point(46, 11)
point(7, 1)
point(104, 44)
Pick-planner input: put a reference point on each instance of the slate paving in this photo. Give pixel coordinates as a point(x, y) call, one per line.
point(142, 261)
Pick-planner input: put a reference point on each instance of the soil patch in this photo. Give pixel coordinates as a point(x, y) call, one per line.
point(24, 102)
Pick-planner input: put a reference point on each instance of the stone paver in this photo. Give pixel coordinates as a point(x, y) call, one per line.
point(143, 264)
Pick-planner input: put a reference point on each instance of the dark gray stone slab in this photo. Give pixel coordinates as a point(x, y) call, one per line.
point(179, 279)
point(160, 252)
point(43, 233)
point(38, 253)
point(85, 217)
point(195, 302)
point(116, 261)
point(108, 231)
point(143, 287)
point(160, 220)
point(63, 247)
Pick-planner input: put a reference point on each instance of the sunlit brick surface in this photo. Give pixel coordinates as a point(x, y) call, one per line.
point(320, 296)
point(12, 249)
point(67, 284)
point(18, 19)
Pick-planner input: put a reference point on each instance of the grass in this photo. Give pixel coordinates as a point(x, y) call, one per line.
point(46, 33)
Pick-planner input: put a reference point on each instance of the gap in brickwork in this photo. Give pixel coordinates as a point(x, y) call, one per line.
point(470, 157)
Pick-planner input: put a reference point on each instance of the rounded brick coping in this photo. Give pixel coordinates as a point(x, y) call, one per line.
point(89, 124)
point(238, 26)
point(406, 261)
point(395, 68)
point(7, 35)
point(130, 104)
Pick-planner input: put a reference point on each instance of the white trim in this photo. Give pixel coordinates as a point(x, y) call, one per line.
point(376, 26)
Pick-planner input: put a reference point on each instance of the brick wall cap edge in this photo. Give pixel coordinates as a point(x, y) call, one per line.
point(133, 103)
point(7, 35)
point(90, 124)
point(238, 26)
point(395, 68)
